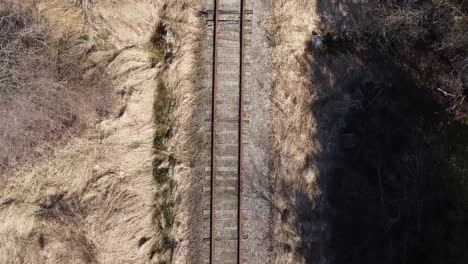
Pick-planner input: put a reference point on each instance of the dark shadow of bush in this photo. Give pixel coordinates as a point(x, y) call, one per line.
point(391, 168)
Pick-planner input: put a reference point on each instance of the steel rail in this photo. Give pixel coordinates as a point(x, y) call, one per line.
point(213, 134)
point(241, 120)
point(240, 130)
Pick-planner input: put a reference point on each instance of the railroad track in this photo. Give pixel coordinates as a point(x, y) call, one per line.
point(230, 25)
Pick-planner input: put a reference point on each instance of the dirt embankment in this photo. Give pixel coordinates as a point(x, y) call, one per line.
point(92, 199)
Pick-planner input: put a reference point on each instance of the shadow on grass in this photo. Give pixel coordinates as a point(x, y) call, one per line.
point(392, 165)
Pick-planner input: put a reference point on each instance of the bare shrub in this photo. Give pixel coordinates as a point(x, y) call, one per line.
point(429, 38)
point(39, 104)
point(393, 69)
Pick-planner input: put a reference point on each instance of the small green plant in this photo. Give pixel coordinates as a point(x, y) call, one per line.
point(157, 45)
point(84, 38)
point(161, 111)
point(164, 201)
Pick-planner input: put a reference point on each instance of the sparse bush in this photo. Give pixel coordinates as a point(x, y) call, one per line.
point(428, 38)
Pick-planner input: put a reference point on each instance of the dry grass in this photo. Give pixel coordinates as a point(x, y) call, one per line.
point(173, 48)
point(92, 200)
point(65, 209)
point(295, 192)
point(86, 7)
point(40, 106)
point(43, 215)
point(88, 201)
point(301, 148)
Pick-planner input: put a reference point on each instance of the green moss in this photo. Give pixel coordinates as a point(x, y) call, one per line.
point(84, 37)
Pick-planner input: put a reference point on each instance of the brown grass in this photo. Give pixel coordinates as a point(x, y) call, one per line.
point(98, 194)
point(44, 99)
point(86, 7)
point(295, 191)
point(90, 200)
point(49, 217)
point(173, 48)
point(299, 145)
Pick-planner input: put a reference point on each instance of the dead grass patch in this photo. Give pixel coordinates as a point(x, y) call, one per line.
point(172, 48)
point(44, 98)
point(294, 194)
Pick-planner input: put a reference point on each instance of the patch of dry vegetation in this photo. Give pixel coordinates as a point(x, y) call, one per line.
point(173, 49)
point(427, 38)
point(95, 200)
point(89, 200)
point(43, 99)
point(66, 208)
point(335, 158)
point(53, 220)
point(295, 194)
point(85, 6)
